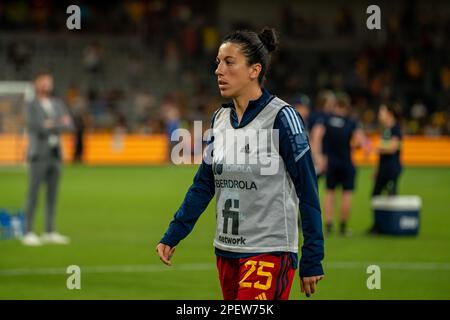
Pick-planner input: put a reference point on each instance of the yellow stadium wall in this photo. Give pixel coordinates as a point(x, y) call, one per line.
point(107, 149)
point(416, 151)
point(99, 149)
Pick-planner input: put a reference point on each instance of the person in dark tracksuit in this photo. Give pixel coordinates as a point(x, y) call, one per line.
point(389, 164)
point(302, 104)
point(341, 133)
point(326, 103)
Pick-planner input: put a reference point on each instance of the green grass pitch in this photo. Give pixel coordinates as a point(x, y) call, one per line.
point(116, 215)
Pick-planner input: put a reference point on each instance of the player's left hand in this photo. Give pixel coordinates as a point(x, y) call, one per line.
point(165, 253)
point(308, 284)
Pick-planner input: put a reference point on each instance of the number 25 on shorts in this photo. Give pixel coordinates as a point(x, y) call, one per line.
point(260, 272)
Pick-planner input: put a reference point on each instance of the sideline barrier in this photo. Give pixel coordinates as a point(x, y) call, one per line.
point(134, 149)
point(99, 149)
point(416, 151)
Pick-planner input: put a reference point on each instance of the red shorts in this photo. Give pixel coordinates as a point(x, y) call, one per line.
point(261, 277)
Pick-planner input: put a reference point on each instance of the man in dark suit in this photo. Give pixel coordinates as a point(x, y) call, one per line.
point(46, 118)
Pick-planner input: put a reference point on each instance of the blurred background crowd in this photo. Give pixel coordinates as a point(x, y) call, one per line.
point(147, 66)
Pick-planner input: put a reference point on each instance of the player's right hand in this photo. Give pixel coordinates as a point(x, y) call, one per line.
point(308, 284)
point(165, 252)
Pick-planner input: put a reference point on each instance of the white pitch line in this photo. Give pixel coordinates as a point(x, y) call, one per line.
point(207, 267)
point(390, 265)
point(109, 269)
point(12, 170)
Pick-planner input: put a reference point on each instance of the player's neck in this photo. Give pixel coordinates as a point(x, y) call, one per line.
point(241, 101)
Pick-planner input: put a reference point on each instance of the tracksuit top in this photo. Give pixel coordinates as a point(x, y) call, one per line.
point(257, 200)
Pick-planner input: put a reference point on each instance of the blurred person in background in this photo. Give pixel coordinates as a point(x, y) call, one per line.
point(302, 104)
point(170, 113)
point(46, 118)
point(19, 54)
point(340, 134)
point(78, 108)
point(93, 58)
point(326, 102)
point(389, 163)
point(263, 239)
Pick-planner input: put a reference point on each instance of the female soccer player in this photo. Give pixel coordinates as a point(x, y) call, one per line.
point(389, 165)
point(256, 241)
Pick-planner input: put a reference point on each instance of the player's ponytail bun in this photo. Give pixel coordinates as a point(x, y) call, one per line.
point(269, 38)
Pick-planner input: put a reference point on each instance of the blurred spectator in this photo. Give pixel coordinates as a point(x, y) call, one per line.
point(17, 13)
point(118, 132)
point(135, 69)
point(19, 55)
point(436, 126)
point(409, 64)
point(210, 39)
point(302, 103)
point(78, 109)
point(145, 109)
point(93, 58)
point(190, 40)
point(445, 77)
point(97, 107)
point(171, 58)
point(135, 10)
point(171, 116)
point(418, 111)
point(40, 13)
point(344, 25)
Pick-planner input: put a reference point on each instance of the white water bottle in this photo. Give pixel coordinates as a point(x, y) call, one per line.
point(16, 225)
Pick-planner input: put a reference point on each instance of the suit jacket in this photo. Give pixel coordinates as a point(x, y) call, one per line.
point(39, 147)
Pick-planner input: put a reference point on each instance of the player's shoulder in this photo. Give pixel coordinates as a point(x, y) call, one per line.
point(290, 119)
point(278, 103)
point(218, 112)
point(295, 136)
point(283, 108)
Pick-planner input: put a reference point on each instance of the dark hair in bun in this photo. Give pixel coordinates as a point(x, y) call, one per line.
point(269, 38)
point(256, 47)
